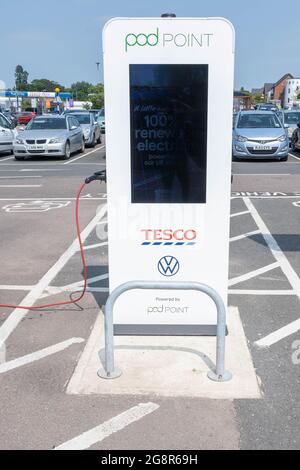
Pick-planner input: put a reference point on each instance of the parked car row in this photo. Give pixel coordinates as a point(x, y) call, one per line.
point(50, 135)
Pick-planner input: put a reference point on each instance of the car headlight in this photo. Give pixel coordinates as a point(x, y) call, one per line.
point(282, 138)
point(241, 138)
point(290, 131)
point(86, 132)
point(56, 140)
point(19, 141)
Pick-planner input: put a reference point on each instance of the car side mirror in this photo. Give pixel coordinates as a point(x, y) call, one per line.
point(286, 126)
point(72, 128)
point(298, 125)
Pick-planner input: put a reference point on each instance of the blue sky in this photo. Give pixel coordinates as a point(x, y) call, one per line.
point(61, 39)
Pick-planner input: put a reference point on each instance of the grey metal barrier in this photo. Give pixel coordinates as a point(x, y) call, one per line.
point(110, 372)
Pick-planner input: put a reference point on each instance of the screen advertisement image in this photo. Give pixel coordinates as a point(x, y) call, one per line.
point(168, 129)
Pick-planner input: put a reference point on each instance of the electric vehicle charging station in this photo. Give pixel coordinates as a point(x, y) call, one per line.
point(168, 104)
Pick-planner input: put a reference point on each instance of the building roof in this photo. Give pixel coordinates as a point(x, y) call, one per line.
point(268, 87)
point(284, 77)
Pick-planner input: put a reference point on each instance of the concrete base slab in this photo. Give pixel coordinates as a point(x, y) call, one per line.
point(173, 366)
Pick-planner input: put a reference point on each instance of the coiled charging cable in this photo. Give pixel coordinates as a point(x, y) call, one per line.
point(100, 176)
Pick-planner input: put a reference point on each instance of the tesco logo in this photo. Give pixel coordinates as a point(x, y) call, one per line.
point(180, 235)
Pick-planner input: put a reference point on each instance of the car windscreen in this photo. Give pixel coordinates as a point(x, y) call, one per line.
point(291, 118)
point(83, 118)
point(39, 124)
point(258, 121)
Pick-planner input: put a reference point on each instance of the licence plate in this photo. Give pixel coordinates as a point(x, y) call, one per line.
point(262, 147)
point(35, 147)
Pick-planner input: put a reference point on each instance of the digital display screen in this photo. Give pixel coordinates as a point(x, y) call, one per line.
point(168, 126)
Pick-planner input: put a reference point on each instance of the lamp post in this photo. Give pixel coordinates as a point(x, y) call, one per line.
point(57, 90)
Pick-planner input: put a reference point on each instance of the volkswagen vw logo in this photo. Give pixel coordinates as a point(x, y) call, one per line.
point(168, 266)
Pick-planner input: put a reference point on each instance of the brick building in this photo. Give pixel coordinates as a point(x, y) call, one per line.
point(277, 90)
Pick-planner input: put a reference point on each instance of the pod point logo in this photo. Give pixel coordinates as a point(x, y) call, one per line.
point(168, 266)
point(141, 39)
point(168, 39)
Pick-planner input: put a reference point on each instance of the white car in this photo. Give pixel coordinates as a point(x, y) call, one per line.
point(7, 135)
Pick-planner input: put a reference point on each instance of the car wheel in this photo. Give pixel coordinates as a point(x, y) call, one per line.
point(67, 154)
point(93, 144)
point(82, 146)
point(293, 144)
point(19, 158)
point(99, 140)
point(284, 159)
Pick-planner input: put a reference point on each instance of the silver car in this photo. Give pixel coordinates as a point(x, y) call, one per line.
point(90, 127)
point(51, 136)
point(101, 120)
point(6, 134)
point(290, 120)
point(260, 135)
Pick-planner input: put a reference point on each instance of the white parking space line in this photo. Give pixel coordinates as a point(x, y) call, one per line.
point(19, 177)
point(286, 268)
point(244, 235)
point(51, 290)
point(89, 163)
point(96, 245)
point(83, 198)
point(239, 213)
point(261, 292)
point(263, 174)
point(18, 314)
point(21, 185)
point(83, 155)
point(252, 274)
point(5, 159)
point(278, 335)
point(267, 197)
point(294, 156)
point(29, 358)
point(106, 429)
point(98, 289)
point(15, 287)
point(274, 247)
point(41, 169)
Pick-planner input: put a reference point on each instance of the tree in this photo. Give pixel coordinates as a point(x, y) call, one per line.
point(257, 98)
point(80, 90)
point(26, 104)
point(298, 96)
point(21, 78)
point(43, 84)
point(97, 96)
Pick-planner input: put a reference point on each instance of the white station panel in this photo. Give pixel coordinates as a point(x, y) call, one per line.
point(168, 105)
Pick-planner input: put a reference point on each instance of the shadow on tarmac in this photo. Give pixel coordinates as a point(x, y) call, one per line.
point(286, 242)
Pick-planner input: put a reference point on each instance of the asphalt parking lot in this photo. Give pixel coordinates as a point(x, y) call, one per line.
point(40, 262)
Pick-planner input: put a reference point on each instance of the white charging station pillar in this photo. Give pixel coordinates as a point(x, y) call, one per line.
point(168, 106)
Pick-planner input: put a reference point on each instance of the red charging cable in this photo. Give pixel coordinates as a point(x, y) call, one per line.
point(68, 302)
